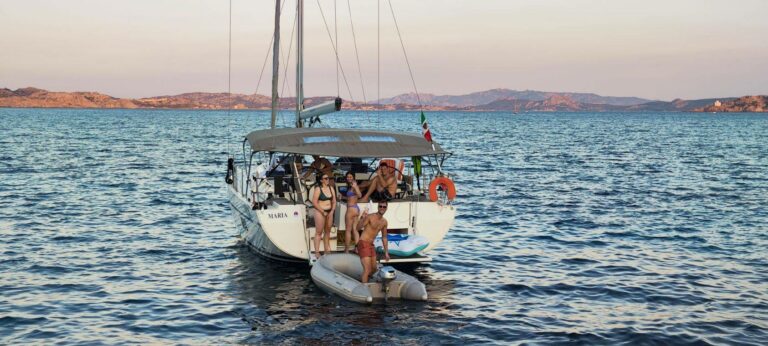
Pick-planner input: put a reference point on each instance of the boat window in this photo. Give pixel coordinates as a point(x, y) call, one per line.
point(378, 139)
point(321, 139)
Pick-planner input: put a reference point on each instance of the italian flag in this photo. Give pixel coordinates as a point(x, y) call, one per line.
point(425, 128)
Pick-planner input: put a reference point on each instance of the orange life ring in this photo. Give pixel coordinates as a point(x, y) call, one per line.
point(446, 183)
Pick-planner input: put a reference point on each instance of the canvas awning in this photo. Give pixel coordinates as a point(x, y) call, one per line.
point(342, 142)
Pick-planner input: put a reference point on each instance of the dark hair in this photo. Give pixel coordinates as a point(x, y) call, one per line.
point(319, 179)
point(349, 173)
point(384, 164)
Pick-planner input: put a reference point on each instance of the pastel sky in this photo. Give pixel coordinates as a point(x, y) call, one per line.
point(137, 48)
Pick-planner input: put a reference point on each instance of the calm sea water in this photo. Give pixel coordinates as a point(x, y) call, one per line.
point(594, 228)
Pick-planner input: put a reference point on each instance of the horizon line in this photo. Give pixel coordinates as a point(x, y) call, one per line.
point(383, 98)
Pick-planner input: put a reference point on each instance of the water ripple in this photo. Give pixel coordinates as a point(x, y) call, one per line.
point(572, 228)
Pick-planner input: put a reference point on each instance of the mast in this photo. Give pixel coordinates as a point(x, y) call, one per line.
point(275, 64)
point(300, 63)
point(313, 113)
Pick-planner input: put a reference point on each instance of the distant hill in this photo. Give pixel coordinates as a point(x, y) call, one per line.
point(568, 104)
point(489, 96)
point(39, 98)
point(33, 97)
point(742, 104)
point(557, 103)
point(207, 101)
point(676, 105)
point(490, 100)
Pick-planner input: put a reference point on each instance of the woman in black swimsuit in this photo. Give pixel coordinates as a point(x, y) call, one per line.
point(324, 201)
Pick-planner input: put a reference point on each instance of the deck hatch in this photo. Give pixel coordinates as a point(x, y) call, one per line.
point(321, 139)
point(386, 139)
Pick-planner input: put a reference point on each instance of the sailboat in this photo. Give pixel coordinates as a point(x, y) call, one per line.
point(271, 202)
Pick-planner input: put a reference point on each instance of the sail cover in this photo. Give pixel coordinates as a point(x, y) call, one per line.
point(342, 142)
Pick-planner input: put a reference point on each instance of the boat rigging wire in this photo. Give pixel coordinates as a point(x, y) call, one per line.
point(336, 31)
point(288, 58)
point(407, 62)
point(357, 55)
point(229, 82)
point(341, 67)
point(264, 64)
point(378, 60)
point(266, 56)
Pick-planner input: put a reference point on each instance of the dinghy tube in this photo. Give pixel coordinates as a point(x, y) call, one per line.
point(340, 274)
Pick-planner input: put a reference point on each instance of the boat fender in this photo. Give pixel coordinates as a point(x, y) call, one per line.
point(230, 171)
point(446, 184)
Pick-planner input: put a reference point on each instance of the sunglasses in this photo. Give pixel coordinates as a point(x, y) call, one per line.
point(324, 178)
point(382, 207)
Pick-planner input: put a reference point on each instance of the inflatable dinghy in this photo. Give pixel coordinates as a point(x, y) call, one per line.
point(340, 274)
point(402, 245)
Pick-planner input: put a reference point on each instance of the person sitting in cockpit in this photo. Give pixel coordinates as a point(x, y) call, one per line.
point(319, 166)
point(383, 186)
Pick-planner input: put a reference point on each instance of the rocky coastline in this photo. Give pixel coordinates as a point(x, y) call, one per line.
point(491, 100)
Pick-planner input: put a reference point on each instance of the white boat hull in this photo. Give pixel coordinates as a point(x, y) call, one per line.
point(279, 232)
point(251, 231)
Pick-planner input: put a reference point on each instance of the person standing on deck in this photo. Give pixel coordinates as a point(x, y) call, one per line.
point(372, 224)
point(324, 202)
point(353, 210)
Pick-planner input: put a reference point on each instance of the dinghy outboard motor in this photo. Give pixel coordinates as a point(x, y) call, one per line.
point(230, 171)
point(386, 274)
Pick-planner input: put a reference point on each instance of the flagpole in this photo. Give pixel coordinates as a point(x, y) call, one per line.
point(428, 136)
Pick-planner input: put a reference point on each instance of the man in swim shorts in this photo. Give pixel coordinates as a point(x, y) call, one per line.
point(372, 224)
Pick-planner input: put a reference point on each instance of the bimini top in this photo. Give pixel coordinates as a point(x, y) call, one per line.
point(342, 142)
